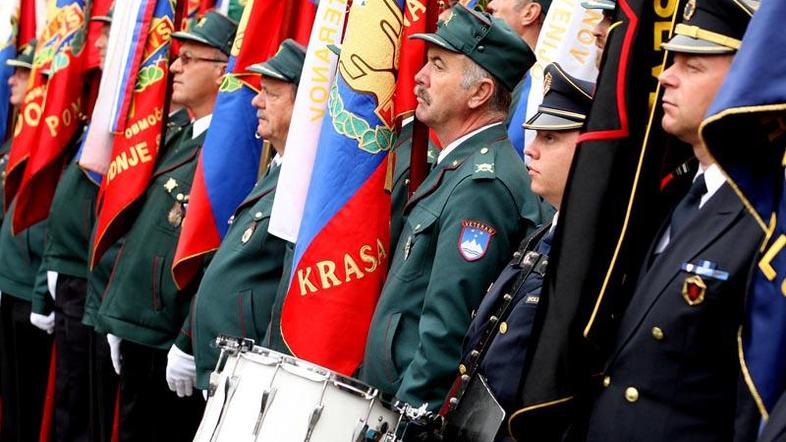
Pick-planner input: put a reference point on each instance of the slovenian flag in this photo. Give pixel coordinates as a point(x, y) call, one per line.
point(229, 161)
point(137, 115)
point(750, 112)
point(309, 110)
point(341, 256)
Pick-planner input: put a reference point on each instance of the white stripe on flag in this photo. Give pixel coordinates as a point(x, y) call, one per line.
point(98, 142)
point(319, 70)
point(566, 38)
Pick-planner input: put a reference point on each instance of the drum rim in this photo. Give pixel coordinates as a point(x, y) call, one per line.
point(346, 383)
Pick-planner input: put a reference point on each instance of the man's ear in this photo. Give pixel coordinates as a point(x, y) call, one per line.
point(530, 13)
point(483, 92)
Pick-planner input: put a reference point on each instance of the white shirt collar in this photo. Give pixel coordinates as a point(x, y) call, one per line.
point(450, 147)
point(554, 222)
point(713, 178)
point(201, 125)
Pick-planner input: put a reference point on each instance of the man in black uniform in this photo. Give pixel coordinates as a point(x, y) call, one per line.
point(673, 369)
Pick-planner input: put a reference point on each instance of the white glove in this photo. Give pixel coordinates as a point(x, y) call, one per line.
point(51, 282)
point(180, 372)
point(45, 323)
point(114, 350)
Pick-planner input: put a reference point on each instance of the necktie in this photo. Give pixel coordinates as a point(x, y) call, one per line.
point(688, 206)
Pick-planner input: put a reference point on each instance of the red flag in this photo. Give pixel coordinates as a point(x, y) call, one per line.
point(27, 22)
point(305, 21)
point(138, 137)
point(32, 107)
point(61, 117)
point(222, 182)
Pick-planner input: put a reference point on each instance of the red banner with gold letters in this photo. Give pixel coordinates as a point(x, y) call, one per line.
point(61, 118)
point(138, 137)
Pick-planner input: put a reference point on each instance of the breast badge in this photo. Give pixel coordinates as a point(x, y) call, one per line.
point(693, 290)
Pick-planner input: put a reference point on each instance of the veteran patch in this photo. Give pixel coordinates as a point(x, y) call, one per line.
point(474, 239)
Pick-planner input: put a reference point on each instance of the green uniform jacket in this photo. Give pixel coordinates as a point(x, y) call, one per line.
point(239, 286)
point(98, 278)
point(414, 342)
point(400, 192)
point(274, 339)
point(20, 255)
point(71, 220)
point(141, 302)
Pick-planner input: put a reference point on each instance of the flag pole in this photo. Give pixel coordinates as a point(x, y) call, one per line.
point(418, 155)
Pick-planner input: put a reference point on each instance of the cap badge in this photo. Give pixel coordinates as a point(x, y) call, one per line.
point(547, 83)
point(201, 22)
point(693, 290)
point(690, 9)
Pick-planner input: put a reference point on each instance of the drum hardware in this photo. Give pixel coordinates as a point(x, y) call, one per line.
point(268, 394)
point(316, 413)
point(286, 399)
point(230, 386)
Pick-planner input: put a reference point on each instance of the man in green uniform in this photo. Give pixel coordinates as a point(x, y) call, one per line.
point(462, 222)
point(237, 291)
point(24, 349)
point(62, 276)
point(141, 309)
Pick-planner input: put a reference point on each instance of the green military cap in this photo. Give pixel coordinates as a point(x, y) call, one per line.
point(286, 65)
point(605, 5)
point(24, 58)
point(566, 101)
point(214, 29)
point(104, 18)
point(487, 41)
point(711, 27)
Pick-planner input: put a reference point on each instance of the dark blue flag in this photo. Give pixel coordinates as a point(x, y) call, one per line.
point(746, 133)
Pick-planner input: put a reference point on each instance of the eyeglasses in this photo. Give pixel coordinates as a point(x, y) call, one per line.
point(186, 59)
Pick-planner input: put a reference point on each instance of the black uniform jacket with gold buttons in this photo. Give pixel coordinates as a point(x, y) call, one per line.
point(237, 292)
point(141, 302)
point(499, 337)
point(673, 372)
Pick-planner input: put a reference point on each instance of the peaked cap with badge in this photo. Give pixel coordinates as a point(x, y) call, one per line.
point(286, 65)
point(486, 40)
point(214, 29)
point(711, 26)
point(24, 58)
point(566, 101)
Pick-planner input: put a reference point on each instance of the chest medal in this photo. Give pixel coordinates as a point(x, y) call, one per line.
point(248, 233)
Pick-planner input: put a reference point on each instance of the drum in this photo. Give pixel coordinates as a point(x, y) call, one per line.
point(257, 394)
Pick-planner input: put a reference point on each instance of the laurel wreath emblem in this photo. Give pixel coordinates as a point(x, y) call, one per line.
point(371, 140)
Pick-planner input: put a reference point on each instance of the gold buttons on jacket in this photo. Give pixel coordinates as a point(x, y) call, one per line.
point(462, 368)
point(503, 328)
point(631, 394)
point(606, 381)
point(657, 333)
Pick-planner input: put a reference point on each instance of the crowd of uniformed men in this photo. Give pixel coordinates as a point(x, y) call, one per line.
point(450, 313)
